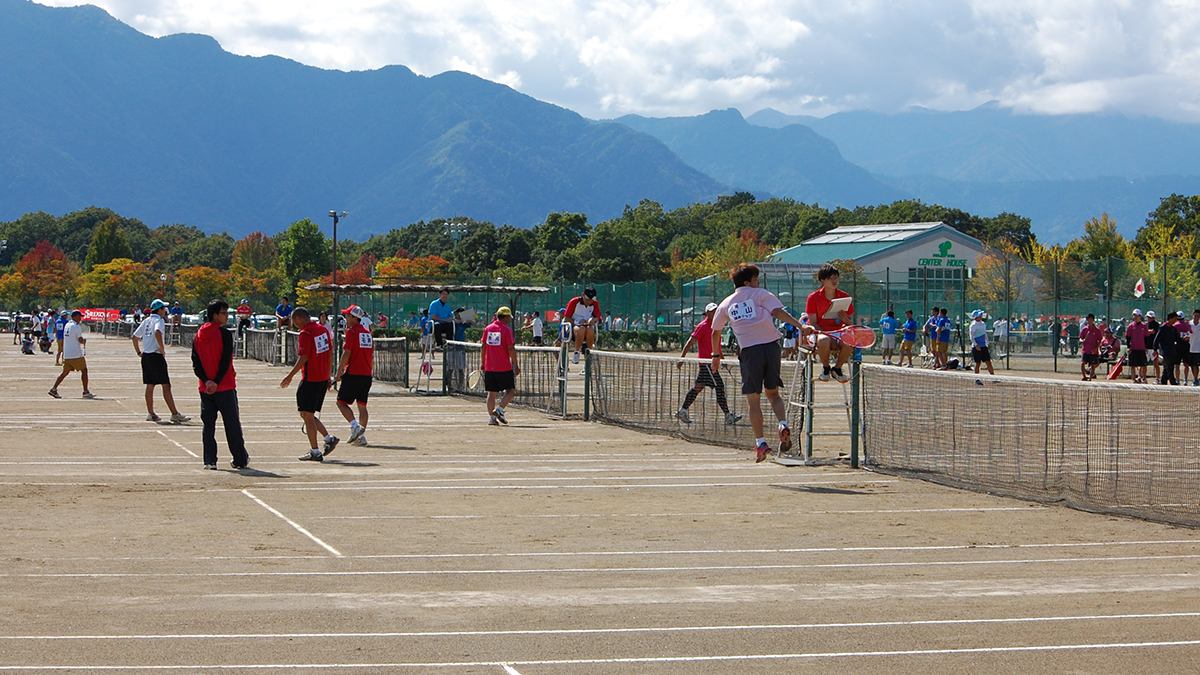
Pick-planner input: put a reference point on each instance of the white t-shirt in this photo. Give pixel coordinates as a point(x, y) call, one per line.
point(1194, 347)
point(37, 322)
point(538, 329)
point(748, 312)
point(979, 334)
point(72, 348)
point(1001, 327)
point(146, 330)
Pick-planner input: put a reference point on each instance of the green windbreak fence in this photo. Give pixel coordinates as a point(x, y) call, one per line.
point(634, 302)
point(1044, 304)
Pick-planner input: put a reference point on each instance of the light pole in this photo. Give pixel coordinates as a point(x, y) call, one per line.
point(335, 317)
point(162, 278)
point(456, 231)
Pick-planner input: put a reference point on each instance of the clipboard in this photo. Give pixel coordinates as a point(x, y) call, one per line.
point(838, 305)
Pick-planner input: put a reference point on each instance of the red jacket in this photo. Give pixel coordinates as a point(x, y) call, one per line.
point(212, 357)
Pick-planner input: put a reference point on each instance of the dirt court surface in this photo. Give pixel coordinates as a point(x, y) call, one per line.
point(447, 546)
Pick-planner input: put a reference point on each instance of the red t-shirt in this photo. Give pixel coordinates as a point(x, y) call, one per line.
point(703, 335)
point(361, 348)
point(818, 304)
point(316, 343)
point(497, 338)
point(579, 311)
point(244, 311)
point(1091, 336)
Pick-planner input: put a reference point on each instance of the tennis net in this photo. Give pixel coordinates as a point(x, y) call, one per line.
point(261, 345)
point(539, 385)
point(644, 392)
point(1106, 447)
point(390, 361)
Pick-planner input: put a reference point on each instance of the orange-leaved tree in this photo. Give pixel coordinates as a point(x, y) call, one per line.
point(412, 268)
point(200, 284)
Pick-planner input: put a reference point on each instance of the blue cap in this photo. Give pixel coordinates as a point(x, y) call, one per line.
point(157, 305)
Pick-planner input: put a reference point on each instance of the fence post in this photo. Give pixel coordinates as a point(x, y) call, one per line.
point(1007, 310)
point(887, 290)
point(1054, 351)
point(962, 317)
point(1165, 293)
point(1108, 291)
point(855, 410)
point(587, 387)
point(562, 378)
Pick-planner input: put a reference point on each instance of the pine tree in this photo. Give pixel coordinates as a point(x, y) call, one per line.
point(108, 244)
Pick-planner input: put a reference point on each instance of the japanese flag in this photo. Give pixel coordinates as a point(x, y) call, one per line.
point(1140, 289)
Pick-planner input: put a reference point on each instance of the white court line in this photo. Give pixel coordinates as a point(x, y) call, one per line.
point(595, 631)
point(509, 669)
point(623, 486)
point(178, 444)
point(682, 514)
point(593, 570)
point(846, 478)
point(635, 659)
point(294, 524)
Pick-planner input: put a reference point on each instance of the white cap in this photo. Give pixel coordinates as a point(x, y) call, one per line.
point(976, 314)
point(1150, 314)
point(1137, 312)
point(710, 307)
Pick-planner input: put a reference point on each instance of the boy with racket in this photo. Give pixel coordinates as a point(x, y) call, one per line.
point(749, 312)
point(354, 372)
point(702, 337)
point(313, 358)
point(499, 364)
point(819, 302)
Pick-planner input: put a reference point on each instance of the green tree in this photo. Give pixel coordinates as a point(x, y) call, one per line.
point(1177, 215)
point(108, 243)
point(304, 251)
point(1101, 240)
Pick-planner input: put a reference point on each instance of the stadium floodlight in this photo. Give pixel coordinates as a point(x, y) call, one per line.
point(456, 231)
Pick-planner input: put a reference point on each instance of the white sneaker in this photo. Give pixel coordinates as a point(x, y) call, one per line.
point(357, 433)
point(575, 358)
point(732, 419)
point(683, 416)
point(151, 417)
point(361, 441)
point(498, 414)
point(493, 422)
point(179, 418)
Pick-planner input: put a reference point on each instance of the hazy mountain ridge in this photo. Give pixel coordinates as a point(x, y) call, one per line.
point(177, 130)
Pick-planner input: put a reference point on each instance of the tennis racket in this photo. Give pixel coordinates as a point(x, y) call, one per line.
point(1116, 370)
point(859, 337)
point(474, 379)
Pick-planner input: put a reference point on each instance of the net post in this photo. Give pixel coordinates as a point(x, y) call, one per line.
point(587, 387)
point(855, 410)
point(562, 378)
point(406, 364)
point(808, 409)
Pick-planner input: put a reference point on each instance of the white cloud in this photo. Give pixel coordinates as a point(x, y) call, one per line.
point(682, 57)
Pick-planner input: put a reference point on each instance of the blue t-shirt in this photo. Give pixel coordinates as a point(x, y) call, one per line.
point(789, 331)
point(910, 330)
point(440, 310)
point(179, 310)
point(931, 327)
point(943, 326)
point(888, 325)
point(59, 325)
point(460, 332)
point(285, 312)
point(424, 325)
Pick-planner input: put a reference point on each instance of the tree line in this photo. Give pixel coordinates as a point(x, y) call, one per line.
point(99, 257)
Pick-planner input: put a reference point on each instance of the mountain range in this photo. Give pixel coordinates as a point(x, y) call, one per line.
point(175, 129)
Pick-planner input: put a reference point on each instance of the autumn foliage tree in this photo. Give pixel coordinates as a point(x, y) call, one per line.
point(42, 276)
point(256, 271)
point(413, 268)
point(198, 285)
point(117, 282)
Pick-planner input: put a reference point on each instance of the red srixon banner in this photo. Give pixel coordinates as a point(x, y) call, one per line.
point(101, 314)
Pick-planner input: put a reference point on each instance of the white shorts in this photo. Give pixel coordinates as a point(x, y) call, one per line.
point(888, 341)
point(789, 343)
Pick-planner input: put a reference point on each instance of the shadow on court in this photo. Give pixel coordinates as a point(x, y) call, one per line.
point(819, 490)
point(256, 473)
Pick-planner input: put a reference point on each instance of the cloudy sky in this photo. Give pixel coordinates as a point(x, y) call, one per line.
point(670, 57)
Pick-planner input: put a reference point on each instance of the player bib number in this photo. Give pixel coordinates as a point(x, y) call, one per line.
point(742, 311)
point(321, 343)
point(494, 339)
point(365, 341)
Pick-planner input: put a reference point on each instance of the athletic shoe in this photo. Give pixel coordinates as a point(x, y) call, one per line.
point(575, 358)
point(785, 438)
point(236, 466)
point(683, 416)
point(357, 433)
point(586, 351)
point(825, 374)
point(211, 467)
point(492, 421)
point(311, 457)
point(908, 366)
point(54, 393)
point(361, 441)
point(499, 415)
point(88, 394)
point(761, 452)
point(153, 418)
point(179, 418)
point(330, 444)
point(841, 377)
point(732, 419)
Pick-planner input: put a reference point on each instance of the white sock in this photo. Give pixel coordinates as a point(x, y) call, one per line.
point(759, 441)
point(315, 451)
point(782, 424)
point(500, 408)
point(328, 438)
point(354, 424)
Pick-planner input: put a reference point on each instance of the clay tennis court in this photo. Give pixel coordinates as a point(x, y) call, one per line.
point(549, 546)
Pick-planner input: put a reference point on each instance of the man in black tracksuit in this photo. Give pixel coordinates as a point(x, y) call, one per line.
point(1166, 344)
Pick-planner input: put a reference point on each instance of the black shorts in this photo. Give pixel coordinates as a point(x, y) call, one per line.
point(354, 388)
point(499, 381)
point(537, 340)
point(311, 396)
point(760, 367)
point(707, 378)
point(1137, 358)
point(1091, 359)
point(1193, 359)
point(981, 354)
point(443, 332)
point(154, 368)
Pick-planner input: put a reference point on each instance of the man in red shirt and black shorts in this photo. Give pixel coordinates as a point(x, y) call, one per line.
point(354, 373)
point(819, 302)
point(499, 364)
point(313, 356)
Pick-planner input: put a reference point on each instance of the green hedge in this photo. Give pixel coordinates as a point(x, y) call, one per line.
point(617, 341)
